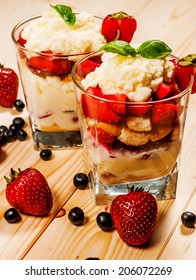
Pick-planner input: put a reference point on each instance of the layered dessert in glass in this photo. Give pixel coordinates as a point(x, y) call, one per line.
point(132, 118)
point(47, 47)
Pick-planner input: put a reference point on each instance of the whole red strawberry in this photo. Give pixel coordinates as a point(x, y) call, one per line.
point(8, 86)
point(119, 26)
point(28, 192)
point(134, 216)
point(184, 69)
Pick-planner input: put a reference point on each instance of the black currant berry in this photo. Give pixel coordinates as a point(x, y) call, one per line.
point(46, 154)
point(19, 105)
point(76, 216)
point(3, 128)
point(12, 215)
point(21, 134)
point(188, 219)
point(9, 135)
point(104, 221)
point(19, 122)
point(80, 181)
point(13, 128)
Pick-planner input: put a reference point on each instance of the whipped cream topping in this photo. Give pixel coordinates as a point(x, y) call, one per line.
point(137, 77)
point(50, 32)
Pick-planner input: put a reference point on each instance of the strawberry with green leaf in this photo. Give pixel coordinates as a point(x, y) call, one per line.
point(28, 192)
point(186, 67)
point(134, 216)
point(119, 26)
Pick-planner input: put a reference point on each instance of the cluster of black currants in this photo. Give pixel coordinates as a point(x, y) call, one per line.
point(13, 132)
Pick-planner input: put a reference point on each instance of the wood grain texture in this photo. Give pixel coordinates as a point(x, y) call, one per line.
point(56, 238)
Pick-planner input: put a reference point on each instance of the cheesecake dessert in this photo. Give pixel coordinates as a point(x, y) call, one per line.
point(49, 45)
point(132, 112)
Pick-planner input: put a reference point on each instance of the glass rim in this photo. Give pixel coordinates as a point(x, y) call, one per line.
point(182, 93)
point(24, 21)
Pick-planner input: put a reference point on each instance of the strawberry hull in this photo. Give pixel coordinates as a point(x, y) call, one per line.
point(140, 147)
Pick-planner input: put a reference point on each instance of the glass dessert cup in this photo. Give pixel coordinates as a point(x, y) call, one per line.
point(130, 143)
point(50, 97)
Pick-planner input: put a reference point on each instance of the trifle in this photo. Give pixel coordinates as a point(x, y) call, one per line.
point(47, 48)
point(132, 117)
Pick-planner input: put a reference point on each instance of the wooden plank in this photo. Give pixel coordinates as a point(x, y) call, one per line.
point(182, 243)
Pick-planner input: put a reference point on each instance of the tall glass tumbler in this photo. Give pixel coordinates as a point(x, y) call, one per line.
point(49, 93)
point(130, 143)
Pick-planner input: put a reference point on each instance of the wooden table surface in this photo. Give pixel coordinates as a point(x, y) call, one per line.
point(55, 238)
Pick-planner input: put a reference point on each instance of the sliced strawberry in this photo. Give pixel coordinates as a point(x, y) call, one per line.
point(163, 91)
point(97, 109)
point(96, 91)
point(174, 90)
point(118, 106)
point(47, 114)
point(86, 67)
point(138, 110)
point(20, 40)
point(127, 28)
point(47, 66)
point(101, 135)
point(109, 28)
point(174, 61)
point(163, 113)
point(119, 26)
point(185, 68)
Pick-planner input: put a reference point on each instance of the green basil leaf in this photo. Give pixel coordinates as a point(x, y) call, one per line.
point(66, 13)
point(120, 47)
point(154, 49)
